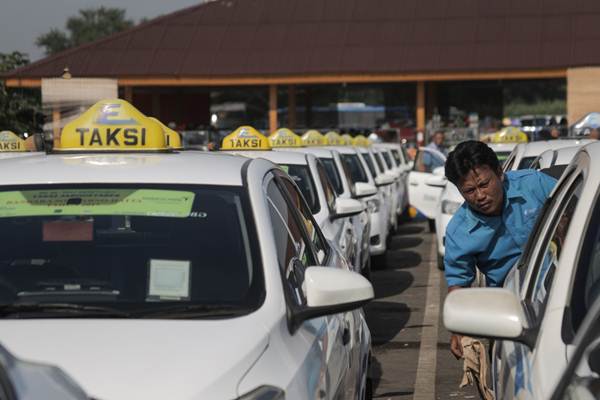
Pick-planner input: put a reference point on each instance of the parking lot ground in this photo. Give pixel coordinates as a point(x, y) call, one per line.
point(412, 357)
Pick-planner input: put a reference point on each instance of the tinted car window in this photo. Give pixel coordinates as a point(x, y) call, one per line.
point(302, 177)
point(387, 159)
point(397, 157)
point(357, 171)
point(327, 188)
point(526, 162)
point(128, 247)
point(332, 174)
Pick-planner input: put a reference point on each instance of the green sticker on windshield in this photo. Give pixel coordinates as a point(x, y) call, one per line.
point(285, 168)
point(139, 202)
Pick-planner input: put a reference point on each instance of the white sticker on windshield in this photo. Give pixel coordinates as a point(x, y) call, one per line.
point(169, 280)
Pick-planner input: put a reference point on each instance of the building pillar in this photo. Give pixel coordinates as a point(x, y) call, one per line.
point(583, 92)
point(420, 112)
point(128, 94)
point(56, 126)
point(272, 108)
point(292, 106)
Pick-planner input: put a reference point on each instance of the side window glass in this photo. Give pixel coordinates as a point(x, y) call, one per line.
point(313, 231)
point(508, 164)
point(293, 252)
point(327, 188)
point(551, 251)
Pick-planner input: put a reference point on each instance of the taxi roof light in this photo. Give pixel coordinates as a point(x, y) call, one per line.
point(284, 137)
point(361, 141)
point(313, 138)
point(333, 138)
point(245, 138)
point(11, 142)
point(172, 137)
point(112, 125)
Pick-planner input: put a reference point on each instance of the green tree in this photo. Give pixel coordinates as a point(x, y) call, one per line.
point(88, 25)
point(20, 109)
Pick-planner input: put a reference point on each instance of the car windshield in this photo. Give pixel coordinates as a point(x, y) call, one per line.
point(301, 175)
point(333, 175)
point(526, 162)
point(132, 249)
point(357, 171)
point(387, 159)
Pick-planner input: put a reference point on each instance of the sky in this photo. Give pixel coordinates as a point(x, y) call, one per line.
point(22, 21)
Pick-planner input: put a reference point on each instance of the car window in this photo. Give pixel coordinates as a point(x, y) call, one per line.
point(508, 164)
point(348, 176)
point(303, 178)
point(352, 162)
point(388, 159)
point(327, 187)
point(378, 160)
point(333, 175)
point(370, 164)
point(294, 253)
point(314, 234)
point(136, 248)
point(426, 161)
point(502, 156)
point(397, 157)
point(525, 162)
point(586, 288)
point(551, 250)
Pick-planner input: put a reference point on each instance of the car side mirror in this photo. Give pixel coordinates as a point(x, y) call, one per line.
point(362, 189)
point(331, 291)
point(347, 208)
point(494, 313)
point(383, 180)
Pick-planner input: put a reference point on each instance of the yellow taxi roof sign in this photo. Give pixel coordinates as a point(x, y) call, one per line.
point(333, 138)
point(284, 137)
point(509, 134)
point(172, 137)
point(112, 125)
point(10, 142)
point(245, 138)
point(361, 141)
point(313, 138)
point(346, 139)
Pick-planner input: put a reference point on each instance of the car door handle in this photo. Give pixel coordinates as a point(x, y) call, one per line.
point(346, 336)
point(413, 184)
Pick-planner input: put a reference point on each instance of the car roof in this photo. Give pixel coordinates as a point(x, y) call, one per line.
point(343, 149)
point(497, 147)
point(316, 151)
point(190, 167)
point(278, 157)
point(533, 149)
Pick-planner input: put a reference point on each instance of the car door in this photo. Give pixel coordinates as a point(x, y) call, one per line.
point(305, 245)
point(421, 194)
point(517, 361)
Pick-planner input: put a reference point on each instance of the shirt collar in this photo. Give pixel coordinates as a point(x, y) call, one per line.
point(511, 189)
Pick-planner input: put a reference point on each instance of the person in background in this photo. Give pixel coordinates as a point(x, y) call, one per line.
point(437, 143)
point(554, 133)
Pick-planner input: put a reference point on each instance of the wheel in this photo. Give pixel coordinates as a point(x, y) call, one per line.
point(431, 225)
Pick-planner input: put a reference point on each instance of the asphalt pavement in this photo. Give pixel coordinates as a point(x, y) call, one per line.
point(412, 358)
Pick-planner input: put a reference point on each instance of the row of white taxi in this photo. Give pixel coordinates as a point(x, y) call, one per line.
point(142, 271)
point(544, 321)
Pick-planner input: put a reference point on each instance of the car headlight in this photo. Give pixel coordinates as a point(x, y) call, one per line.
point(264, 393)
point(373, 206)
point(450, 207)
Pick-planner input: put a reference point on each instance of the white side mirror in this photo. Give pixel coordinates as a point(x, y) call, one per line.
point(347, 208)
point(488, 312)
point(393, 174)
point(362, 189)
point(326, 287)
point(383, 180)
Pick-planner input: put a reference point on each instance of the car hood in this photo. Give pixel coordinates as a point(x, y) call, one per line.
point(144, 359)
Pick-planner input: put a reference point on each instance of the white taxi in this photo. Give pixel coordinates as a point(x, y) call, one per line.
point(400, 176)
point(399, 162)
point(144, 272)
point(524, 153)
point(547, 294)
point(284, 139)
point(375, 203)
point(12, 146)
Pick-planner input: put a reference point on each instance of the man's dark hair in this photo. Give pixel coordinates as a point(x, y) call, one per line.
point(466, 157)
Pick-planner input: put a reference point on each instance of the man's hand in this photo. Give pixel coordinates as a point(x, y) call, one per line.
point(456, 346)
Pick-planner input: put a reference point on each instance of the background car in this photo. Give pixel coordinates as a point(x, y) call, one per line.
point(524, 153)
point(426, 183)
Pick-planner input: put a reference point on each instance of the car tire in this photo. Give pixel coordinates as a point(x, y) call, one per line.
point(431, 223)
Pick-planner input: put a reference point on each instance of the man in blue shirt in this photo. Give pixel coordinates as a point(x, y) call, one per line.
point(490, 229)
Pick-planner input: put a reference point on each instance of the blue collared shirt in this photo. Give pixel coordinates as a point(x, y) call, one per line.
point(494, 244)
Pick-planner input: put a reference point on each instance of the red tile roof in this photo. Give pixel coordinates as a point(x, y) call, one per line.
point(244, 38)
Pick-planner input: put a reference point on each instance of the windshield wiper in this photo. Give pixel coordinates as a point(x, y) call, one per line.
point(197, 311)
point(76, 309)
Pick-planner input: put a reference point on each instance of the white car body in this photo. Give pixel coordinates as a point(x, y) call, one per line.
point(524, 153)
point(376, 204)
point(224, 358)
point(425, 185)
point(361, 225)
point(400, 169)
point(552, 157)
point(397, 189)
point(547, 293)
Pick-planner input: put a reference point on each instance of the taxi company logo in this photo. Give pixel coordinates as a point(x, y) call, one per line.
point(112, 115)
point(9, 141)
point(245, 133)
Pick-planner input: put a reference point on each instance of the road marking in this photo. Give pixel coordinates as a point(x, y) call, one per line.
point(427, 364)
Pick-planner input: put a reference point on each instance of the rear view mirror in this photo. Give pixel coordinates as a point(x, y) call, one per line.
point(347, 208)
point(331, 291)
point(487, 312)
point(362, 189)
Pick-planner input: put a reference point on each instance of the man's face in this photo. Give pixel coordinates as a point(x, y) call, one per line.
point(438, 138)
point(482, 190)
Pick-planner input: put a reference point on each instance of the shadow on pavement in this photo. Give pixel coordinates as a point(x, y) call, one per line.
point(404, 242)
point(385, 320)
point(410, 228)
point(390, 283)
point(401, 259)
